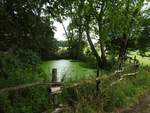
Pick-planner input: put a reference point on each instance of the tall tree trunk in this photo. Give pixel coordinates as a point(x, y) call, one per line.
point(99, 62)
point(68, 38)
point(99, 18)
point(122, 50)
point(103, 56)
point(92, 46)
point(79, 42)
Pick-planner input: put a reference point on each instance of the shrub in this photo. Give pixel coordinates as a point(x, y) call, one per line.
point(19, 67)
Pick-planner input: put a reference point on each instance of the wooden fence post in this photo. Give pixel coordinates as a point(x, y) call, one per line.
point(54, 79)
point(54, 75)
point(56, 91)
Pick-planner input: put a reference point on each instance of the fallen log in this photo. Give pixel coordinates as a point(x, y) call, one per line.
point(130, 74)
point(123, 77)
point(117, 81)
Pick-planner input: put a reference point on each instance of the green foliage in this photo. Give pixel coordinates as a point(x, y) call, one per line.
point(30, 100)
point(27, 36)
point(143, 41)
point(62, 43)
point(80, 99)
point(126, 92)
point(23, 26)
point(63, 52)
point(27, 57)
point(19, 67)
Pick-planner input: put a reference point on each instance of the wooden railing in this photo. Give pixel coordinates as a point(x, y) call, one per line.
point(56, 87)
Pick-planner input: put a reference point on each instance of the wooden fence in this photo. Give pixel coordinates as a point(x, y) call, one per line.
point(56, 87)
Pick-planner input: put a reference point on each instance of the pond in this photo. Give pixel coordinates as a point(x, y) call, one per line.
point(68, 69)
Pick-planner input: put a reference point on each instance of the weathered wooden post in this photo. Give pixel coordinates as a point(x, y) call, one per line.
point(53, 80)
point(54, 75)
point(55, 88)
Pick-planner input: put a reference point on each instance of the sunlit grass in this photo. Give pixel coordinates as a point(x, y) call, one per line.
point(145, 60)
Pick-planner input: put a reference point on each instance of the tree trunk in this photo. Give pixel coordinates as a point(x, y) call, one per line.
point(79, 42)
point(122, 50)
point(68, 38)
point(103, 54)
point(92, 46)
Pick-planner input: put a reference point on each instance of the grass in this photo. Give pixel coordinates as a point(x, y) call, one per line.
point(145, 60)
point(127, 92)
point(122, 95)
point(81, 99)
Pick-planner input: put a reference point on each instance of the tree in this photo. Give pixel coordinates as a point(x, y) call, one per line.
point(99, 13)
point(23, 26)
point(143, 42)
point(75, 28)
point(125, 24)
point(88, 10)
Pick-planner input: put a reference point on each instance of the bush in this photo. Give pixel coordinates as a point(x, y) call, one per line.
point(29, 100)
point(27, 57)
point(19, 67)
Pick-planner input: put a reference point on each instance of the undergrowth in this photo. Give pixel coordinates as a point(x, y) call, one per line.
point(80, 99)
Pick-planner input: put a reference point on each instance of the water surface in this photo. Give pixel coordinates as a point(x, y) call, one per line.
point(72, 70)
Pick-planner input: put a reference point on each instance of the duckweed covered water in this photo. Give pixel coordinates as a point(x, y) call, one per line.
point(72, 70)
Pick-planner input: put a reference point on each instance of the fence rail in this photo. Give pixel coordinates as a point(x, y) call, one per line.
point(67, 85)
point(56, 87)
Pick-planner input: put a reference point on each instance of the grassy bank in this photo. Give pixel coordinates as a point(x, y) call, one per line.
point(81, 99)
point(122, 95)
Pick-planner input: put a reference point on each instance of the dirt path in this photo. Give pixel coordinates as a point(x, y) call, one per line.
point(142, 107)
